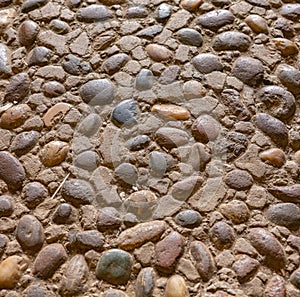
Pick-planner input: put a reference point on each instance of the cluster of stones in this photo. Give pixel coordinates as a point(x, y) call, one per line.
point(149, 148)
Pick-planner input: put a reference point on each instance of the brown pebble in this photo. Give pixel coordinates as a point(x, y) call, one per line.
point(55, 112)
point(286, 47)
point(275, 156)
point(54, 153)
point(275, 287)
point(257, 23)
point(15, 116)
point(158, 53)
point(28, 32)
point(176, 287)
point(10, 272)
point(191, 5)
point(245, 267)
point(287, 193)
point(236, 211)
point(222, 235)
point(171, 111)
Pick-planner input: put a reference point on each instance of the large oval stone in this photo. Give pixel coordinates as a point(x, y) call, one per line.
point(18, 87)
point(15, 116)
point(289, 76)
point(28, 32)
point(114, 266)
point(207, 63)
point(275, 287)
point(238, 179)
point(222, 235)
point(231, 40)
point(24, 142)
point(287, 193)
point(190, 37)
point(125, 113)
point(145, 283)
point(93, 13)
point(171, 137)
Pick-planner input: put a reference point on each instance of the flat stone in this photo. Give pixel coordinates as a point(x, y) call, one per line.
point(53, 89)
point(30, 5)
point(125, 113)
point(93, 13)
point(127, 173)
point(274, 156)
point(188, 218)
point(89, 239)
point(138, 142)
point(193, 89)
point(10, 272)
point(55, 113)
point(176, 287)
point(140, 234)
point(28, 32)
point(257, 23)
point(145, 283)
point(77, 192)
point(267, 245)
point(182, 190)
point(39, 55)
point(249, 70)
point(136, 11)
point(114, 63)
point(157, 163)
point(163, 12)
point(171, 111)
point(179, 20)
point(205, 128)
point(6, 206)
point(97, 92)
point(216, 19)
point(273, 128)
point(11, 171)
point(114, 266)
point(285, 214)
point(108, 219)
point(189, 37)
point(171, 137)
point(291, 11)
point(207, 63)
point(275, 287)
point(232, 41)
point(144, 80)
point(277, 101)
point(169, 75)
point(24, 142)
point(30, 233)
point(295, 278)
point(48, 260)
point(289, 76)
point(18, 88)
point(245, 267)
point(15, 116)
point(239, 179)
point(167, 206)
point(204, 261)
point(158, 52)
point(51, 72)
point(286, 47)
point(236, 211)
point(167, 252)
point(286, 193)
point(54, 153)
point(34, 193)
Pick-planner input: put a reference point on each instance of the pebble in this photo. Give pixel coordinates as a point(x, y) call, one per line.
point(10, 272)
point(63, 214)
point(289, 76)
point(245, 268)
point(18, 87)
point(54, 113)
point(268, 246)
point(54, 153)
point(59, 26)
point(238, 179)
point(286, 47)
point(150, 32)
point(249, 70)
point(30, 233)
point(140, 234)
point(236, 211)
point(124, 114)
point(189, 37)
point(145, 283)
point(114, 267)
point(24, 142)
point(216, 19)
point(193, 89)
point(34, 193)
point(127, 173)
point(184, 189)
point(75, 276)
point(77, 192)
point(295, 278)
point(114, 293)
point(136, 11)
point(48, 260)
point(39, 55)
point(205, 264)
point(286, 27)
point(277, 101)
point(222, 235)
point(15, 116)
point(5, 61)
point(171, 111)
point(108, 219)
point(169, 75)
point(191, 5)
point(158, 52)
point(163, 12)
point(171, 137)
point(273, 128)
point(257, 23)
point(157, 163)
point(11, 171)
point(275, 156)
point(167, 252)
point(275, 287)
point(53, 89)
point(6, 206)
point(176, 287)
point(138, 142)
point(89, 239)
point(285, 214)
point(94, 13)
point(188, 218)
point(87, 160)
point(28, 32)
point(232, 41)
point(232, 99)
point(205, 128)
point(144, 80)
point(90, 125)
point(207, 63)
point(286, 193)
point(291, 11)
point(98, 92)
point(30, 5)
point(114, 63)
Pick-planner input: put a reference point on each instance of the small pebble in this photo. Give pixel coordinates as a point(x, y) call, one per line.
point(275, 156)
point(176, 287)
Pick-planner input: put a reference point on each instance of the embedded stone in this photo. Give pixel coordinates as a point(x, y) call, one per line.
point(286, 47)
point(145, 283)
point(182, 190)
point(176, 287)
point(275, 156)
point(24, 142)
point(28, 32)
point(236, 211)
point(10, 272)
point(171, 137)
point(275, 287)
point(114, 63)
point(239, 179)
point(93, 13)
point(15, 116)
point(54, 153)
point(18, 88)
point(158, 52)
point(222, 235)
point(289, 76)
point(171, 111)
point(245, 268)
point(286, 193)
point(231, 40)
point(189, 37)
point(207, 63)
point(257, 23)
point(124, 114)
point(188, 218)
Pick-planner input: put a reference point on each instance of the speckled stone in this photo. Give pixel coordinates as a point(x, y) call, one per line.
point(239, 179)
point(231, 40)
point(236, 211)
point(163, 12)
point(245, 267)
point(114, 266)
point(291, 11)
point(138, 142)
point(18, 87)
point(5, 61)
point(222, 235)
point(275, 287)
point(93, 13)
